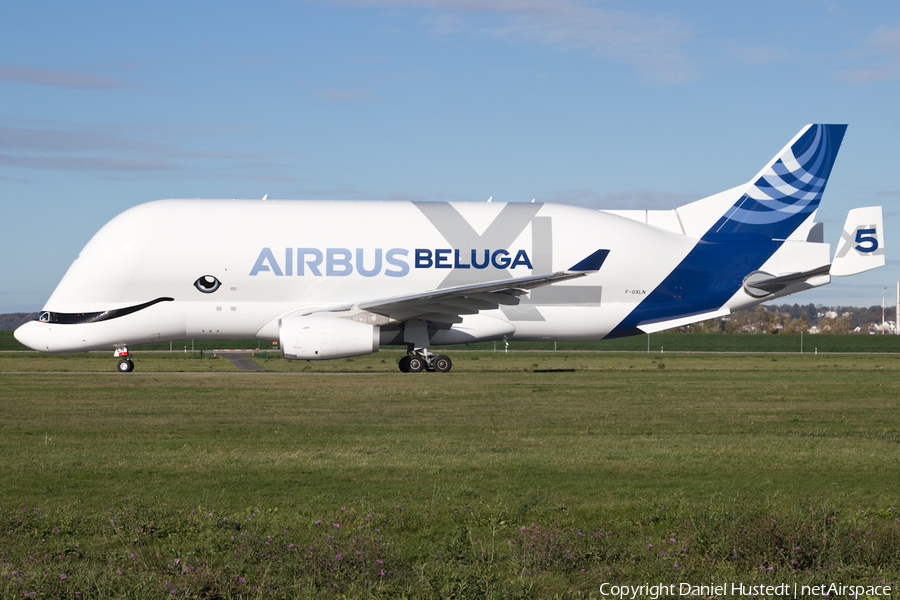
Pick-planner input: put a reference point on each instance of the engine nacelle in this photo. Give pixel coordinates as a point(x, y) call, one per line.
point(321, 337)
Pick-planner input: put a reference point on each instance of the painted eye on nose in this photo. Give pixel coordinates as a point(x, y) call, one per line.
point(207, 284)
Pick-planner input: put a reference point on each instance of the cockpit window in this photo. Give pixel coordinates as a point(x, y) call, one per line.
point(95, 317)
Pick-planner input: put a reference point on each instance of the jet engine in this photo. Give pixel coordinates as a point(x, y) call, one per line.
point(321, 337)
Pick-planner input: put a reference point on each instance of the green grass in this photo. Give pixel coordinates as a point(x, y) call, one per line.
point(671, 342)
point(491, 481)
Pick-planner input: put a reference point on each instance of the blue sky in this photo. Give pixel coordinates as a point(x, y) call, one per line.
point(644, 104)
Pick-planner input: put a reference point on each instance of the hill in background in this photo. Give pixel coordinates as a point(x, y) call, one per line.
point(10, 321)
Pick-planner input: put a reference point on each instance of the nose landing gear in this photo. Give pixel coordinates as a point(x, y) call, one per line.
point(126, 365)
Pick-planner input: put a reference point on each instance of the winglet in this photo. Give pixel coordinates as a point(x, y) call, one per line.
point(592, 262)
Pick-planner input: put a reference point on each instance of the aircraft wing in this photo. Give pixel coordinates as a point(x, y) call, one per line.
point(446, 305)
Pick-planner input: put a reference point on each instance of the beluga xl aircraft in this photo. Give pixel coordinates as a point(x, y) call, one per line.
point(330, 279)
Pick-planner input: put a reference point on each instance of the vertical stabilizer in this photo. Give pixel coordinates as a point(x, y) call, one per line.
point(787, 191)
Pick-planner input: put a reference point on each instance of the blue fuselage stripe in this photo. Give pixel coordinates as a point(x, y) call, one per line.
point(704, 281)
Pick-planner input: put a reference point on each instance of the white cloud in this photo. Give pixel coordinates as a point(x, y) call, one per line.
point(762, 55)
point(345, 95)
point(887, 40)
point(62, 79)
point(650, 43)
point(83, 163)
point(87, 151)
point(884, 57)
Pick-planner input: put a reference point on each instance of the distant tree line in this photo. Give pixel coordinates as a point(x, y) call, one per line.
point(796, 318)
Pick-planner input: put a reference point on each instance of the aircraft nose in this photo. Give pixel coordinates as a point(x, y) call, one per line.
point(34, 335)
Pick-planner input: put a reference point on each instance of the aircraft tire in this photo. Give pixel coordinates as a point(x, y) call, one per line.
point(125, 366)
point(416, 364)
point(441, 363)
point(404, 364)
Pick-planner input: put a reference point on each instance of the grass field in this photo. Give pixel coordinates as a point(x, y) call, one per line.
point(188, 478)
point(671, 342)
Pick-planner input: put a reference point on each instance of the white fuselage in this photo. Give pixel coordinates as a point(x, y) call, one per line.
point(161, 248)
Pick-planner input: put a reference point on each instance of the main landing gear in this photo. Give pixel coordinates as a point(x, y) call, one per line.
point(415, 363)
point(418, 359)
point(125, 365)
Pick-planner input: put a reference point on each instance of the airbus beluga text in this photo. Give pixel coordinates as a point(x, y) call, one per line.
point(336, 279)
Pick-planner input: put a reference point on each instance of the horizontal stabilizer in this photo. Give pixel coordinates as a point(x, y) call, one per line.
point(760, 284)
point(862, 243)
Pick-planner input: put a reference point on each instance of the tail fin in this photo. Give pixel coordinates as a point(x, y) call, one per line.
point(787, 191)
point(743, 228)
point(862, 243)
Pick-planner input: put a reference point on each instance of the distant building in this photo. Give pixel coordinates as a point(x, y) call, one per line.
point(890, 327)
